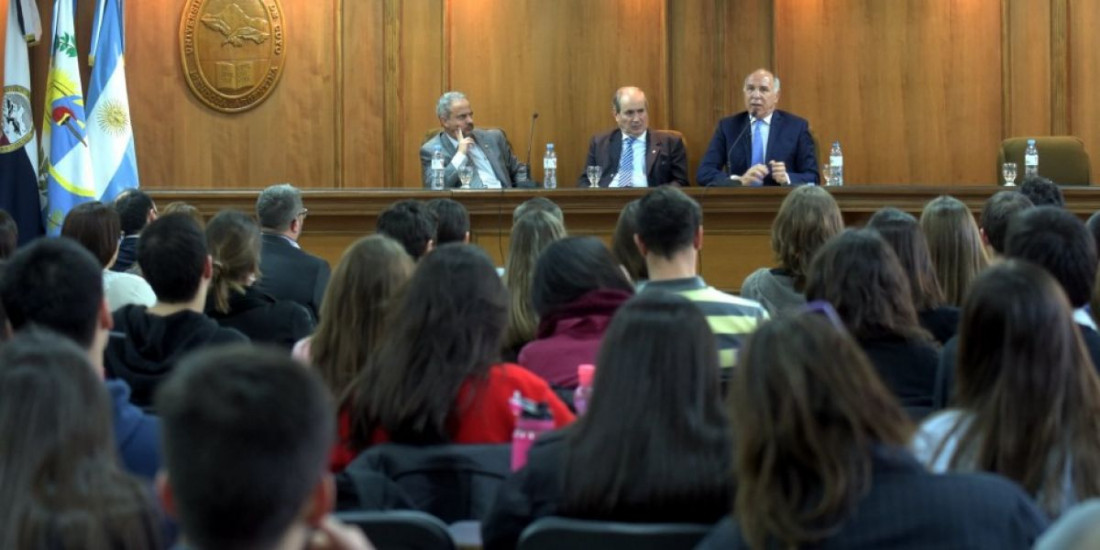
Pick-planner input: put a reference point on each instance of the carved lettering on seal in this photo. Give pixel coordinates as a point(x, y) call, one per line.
point(233, 51)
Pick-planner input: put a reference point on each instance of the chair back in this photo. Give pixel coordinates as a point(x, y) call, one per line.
point(401, 529)
point(1062, 159)
point(575, 534)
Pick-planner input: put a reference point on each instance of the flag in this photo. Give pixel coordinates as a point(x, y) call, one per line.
point(66, 170)
point(110, 136)
point(18, 144)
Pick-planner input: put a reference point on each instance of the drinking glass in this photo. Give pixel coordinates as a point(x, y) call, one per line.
point(465, 174)
point(593, 173)
point(1008, 170)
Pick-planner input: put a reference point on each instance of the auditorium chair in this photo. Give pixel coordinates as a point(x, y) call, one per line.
point(575, 534)
point(1062, 159)
point(401, 529)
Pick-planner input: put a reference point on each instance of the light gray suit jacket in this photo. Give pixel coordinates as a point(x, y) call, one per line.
point(492, 141)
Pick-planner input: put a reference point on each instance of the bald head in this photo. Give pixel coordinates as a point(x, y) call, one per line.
point(631, 110)
point(761, 93)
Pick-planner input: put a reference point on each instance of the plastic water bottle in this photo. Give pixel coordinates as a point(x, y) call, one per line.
point(529, 425)
point(1031, 160)
point(550, 168)
point(437, 169)
point(836, 165)
point(583, 393)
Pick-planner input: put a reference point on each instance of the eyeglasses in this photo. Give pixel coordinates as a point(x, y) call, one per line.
point(303, 213)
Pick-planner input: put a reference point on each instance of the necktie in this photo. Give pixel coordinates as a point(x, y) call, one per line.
point(757, 143)
point(626, 163)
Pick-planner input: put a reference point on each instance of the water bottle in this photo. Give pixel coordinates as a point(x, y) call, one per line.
point(529, 426)
point(583, 393)
point(437, 169)
point(550, 168)
point(836, 165)
point(1031, 160)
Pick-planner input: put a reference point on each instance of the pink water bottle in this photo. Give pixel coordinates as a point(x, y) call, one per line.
point(583, 393)
point(529, 425)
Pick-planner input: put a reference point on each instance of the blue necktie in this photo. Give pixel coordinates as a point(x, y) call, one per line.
point(757, 143)
point(626, 163)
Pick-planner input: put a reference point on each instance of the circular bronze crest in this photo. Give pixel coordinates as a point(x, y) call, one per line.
point(233, 51)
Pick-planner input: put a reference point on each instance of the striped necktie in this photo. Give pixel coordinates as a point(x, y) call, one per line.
point(626, 163)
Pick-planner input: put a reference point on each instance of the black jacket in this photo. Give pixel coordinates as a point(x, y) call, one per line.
point(264, 319)
point(289, 273)
point(908, 368)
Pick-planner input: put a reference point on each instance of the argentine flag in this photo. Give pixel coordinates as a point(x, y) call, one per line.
point(110, 135)
point(66, 170)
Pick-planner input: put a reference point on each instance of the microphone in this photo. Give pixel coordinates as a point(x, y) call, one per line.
point(531, 138)
point(729, 152)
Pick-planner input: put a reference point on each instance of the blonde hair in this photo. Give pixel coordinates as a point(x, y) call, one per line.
point(531, 234)
point(808, 217)
point(233, 240)
point(955, 245)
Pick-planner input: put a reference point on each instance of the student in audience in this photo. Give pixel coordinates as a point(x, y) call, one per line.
point(1027, 399)
point(670, 236)
point(135, 211)
point(807, 218)
point(95, 225)
point(363, 289)
point(623, 247)
point(1042, 192)
point(860, 276)
point(233, 240)
point(410, 223)
point(172, 254)
point(180, 207)
point(452, 221)
point(246, 435)
point(538, 204)
point(437, 377)
point(530, 236)
point(577, 288)
point(1078, 529)
point(902, 232)
point(654, 445)
point(1093, 225)
point(61, 486)
point(820, 458)
point(996, 212)
point(290, 273)
point(57, 284)
point(9, 235)
point(955, 245)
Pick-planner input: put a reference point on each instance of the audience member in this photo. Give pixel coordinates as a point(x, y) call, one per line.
point(623, 247)
point(96, 226)
point(61, 486)
point(363, 289)
point(996, 213)
point(410, 223)
point(1093, 225)
point(58, 285)
point(670, 236)
point(172, 254)
point(577, 288)
point(530, 236)
point(436, 377)
point(452, 221)
point(1078, 529)
point(820, 459)
point(246, 435)
point(537, 204)
point(1042, 192)
point(135, 211)
point(860, 276)
point(902, 232)
point(657, 368)
point(233, 240)
point(9, 235)
point(290, 272)
point(1027, 403)
point(955, 245)
point(180, 207)
point(807, 218)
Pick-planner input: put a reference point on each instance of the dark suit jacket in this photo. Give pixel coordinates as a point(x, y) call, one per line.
point(730, 150)
point(492, 141)
point(289, 273)
point(665, 157)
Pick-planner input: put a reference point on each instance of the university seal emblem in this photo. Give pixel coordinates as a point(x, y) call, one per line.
point(15, 119)
point(233, 51)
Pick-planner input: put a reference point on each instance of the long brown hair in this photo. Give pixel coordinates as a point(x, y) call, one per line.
point(955, 245)
point(808, 217)
point(1027, 383)
point(807, 409)
point(364, 285)
point(531, 233)
point(233, 239)
point(623, 246)
point(902, 231)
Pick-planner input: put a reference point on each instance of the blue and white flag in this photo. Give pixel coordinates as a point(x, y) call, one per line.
point(66, 170)
point(18, 144)
point(110, 134)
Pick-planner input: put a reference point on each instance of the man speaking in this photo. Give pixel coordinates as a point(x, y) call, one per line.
point(486, 151)
point(762, 146)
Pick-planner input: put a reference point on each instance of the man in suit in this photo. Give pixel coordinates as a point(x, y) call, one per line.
point(654, 157)
point(488, 151)
point(761, 146)
point(288, 272)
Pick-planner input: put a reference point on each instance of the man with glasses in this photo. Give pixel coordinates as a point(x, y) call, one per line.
point(286, 271)
point(761, 146)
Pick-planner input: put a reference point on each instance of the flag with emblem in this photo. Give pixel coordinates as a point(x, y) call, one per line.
point(66, 169)
point(18, 146)
point(110, 135)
